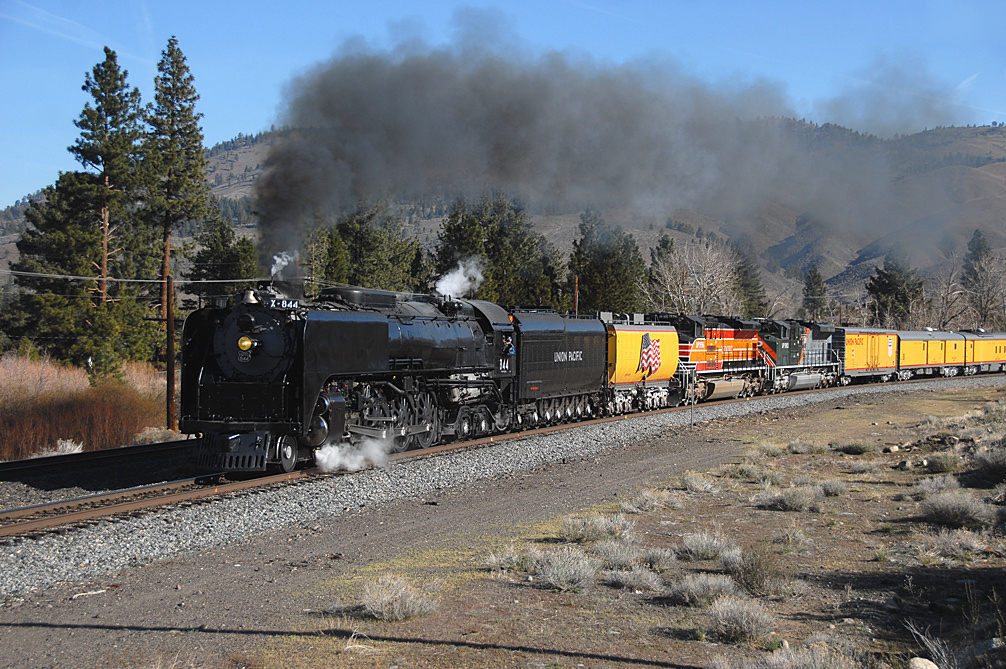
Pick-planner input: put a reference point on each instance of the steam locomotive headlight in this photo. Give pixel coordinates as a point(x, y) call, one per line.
point(246, 343)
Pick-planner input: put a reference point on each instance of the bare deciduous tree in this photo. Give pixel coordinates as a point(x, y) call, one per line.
point(697, 278)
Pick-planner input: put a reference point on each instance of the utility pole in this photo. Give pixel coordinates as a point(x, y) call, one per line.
point(172, 421)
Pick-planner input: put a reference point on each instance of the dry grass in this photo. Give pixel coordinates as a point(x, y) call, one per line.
point(42, 403)
point(651, 500)
point(595, 528)
point(392, 598)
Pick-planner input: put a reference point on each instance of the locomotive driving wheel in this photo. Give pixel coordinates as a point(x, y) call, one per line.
point(401, 419)
point(426, 414)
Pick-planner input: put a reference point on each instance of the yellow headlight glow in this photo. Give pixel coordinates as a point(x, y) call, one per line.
point(245, 343)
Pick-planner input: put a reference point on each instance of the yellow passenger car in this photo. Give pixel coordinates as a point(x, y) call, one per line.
point(868, 352)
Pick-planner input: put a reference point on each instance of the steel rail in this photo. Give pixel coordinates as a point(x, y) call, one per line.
point(154, 496)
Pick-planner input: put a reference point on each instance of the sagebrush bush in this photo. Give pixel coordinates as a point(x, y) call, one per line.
point(566, 568)
point(702, 546)
point(788, 499)
point(392, 598)
point(960, 544)
point(638, 578)
point(698, 483)
point(956, 508)
point(864, 467)
point(991, 463)
point(833, 488)
point(815, 655)
point(932, 485)
point(734, 619)
point(855, 448)
point(702, 589)
point(753, 569)
point(615, 554)
point(651, 500)
point(595, 528)
point(791, 537)
point(943, 462)
point(659, 559)
point(510, 560)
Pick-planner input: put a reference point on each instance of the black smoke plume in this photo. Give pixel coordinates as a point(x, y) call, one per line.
point(560, 131)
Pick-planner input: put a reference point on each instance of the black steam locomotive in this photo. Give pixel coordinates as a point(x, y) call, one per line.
point(269, 379)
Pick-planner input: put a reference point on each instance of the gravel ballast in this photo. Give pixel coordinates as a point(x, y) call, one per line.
point(109, 547)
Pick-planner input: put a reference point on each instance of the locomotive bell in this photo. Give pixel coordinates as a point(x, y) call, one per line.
point(249, 297)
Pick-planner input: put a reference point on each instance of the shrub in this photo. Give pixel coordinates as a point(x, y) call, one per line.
point(991, 463)
point(615, 554)
point(659, 559)
point(955, 508)
point(998, 494)
point(833, 488)
point(393, 598)
point(959, 544)
point(943, 462)
point(734, 619)
point(651, 500)
point(639, 578)
point(99, 417)
point(595, 528)
point(855, 448)
point(702, 589)
point(789, 499)
point(696, 482)
point(932, 485)
point(815, 655)
point(702, 546)
point(753, 569)
point(864, 467)
point(566, 568)
point(791, 537)
point(510, 560)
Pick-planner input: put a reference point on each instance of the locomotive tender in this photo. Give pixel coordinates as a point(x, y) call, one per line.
point(269, 379)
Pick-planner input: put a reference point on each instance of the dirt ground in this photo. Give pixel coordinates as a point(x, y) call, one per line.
point(853, 567)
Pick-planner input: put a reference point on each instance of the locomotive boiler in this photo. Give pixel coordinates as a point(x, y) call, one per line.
point(268, 380)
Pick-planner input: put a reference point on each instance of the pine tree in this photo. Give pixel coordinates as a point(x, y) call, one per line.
point(894, 292)
point(754, 303)
point(109, 143)
point(176, 159)
point(520, 267)
point(815, 294)
point(608, 265)
point(221, 256)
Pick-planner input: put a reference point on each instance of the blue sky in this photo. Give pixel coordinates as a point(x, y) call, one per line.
point(827, 58)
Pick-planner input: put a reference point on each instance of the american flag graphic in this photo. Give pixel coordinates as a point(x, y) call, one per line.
point(649, 355)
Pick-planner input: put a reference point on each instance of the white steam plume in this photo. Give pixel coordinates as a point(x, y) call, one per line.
point(463, 278)
point(353, 457)
point(280, 261)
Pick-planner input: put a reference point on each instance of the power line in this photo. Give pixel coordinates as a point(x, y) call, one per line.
point(71, 277)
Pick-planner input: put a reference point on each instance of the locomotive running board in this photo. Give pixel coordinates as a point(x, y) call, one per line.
point(384, 433)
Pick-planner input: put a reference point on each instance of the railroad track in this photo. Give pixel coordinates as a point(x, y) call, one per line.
point(55, 464)
point(32, 520)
